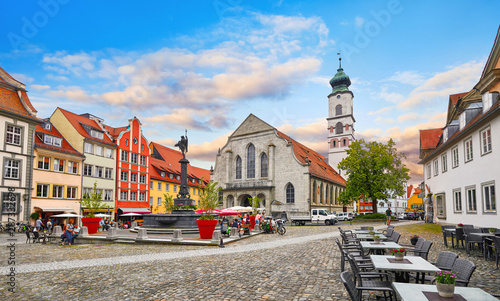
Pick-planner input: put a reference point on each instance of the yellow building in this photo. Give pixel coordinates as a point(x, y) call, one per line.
point(57, 173)
point(165, 176)
point(414, 202)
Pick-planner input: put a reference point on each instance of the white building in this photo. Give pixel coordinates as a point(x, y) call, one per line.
point(461, 161)
point(258, 160)
point(18, 120)
point(340, 118)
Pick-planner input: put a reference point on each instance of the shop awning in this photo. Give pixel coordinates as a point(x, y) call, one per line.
point(54, 209)
point(111, 210)
point(135, 210)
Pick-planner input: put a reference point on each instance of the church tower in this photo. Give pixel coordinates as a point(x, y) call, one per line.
point(340, 118)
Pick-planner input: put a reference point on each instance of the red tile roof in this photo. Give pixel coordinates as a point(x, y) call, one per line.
point(409, 189)
point(167, 160)
point(78, 120)
point(64, 148)
point(115, 132)
point(430, 138)
point(10, 100)
point(454, 97)
point(318, 167)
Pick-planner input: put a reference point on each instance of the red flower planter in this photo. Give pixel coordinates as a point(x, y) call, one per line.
point(252, 222)
point(92, 224)
point(206, 228)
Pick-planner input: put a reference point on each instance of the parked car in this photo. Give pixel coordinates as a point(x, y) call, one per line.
point(344, 216)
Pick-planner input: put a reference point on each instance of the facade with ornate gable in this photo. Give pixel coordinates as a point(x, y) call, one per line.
point(18, 120)
point(258, 160)
point(461, 160)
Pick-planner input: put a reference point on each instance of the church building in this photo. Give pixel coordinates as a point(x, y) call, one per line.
point(259, 160)
point(340, 118)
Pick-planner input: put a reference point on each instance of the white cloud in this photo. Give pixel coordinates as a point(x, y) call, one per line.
point(359, 21)
point(76, 63)
point(39, 87)
point(57, 77)
point(71, 92)
point(408, 77)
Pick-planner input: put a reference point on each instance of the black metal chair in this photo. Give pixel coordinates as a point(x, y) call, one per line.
point(424, 251)
point(459, 237)
point(414, 248)
point(472, 239)
point(388, 231)
point(447, 234)
point(356, 292)
point(368, 280)
point(464, 269)
point(468, 226)
point(394, 237)
point(446, 260)
point(354, 249)
point(494, 247)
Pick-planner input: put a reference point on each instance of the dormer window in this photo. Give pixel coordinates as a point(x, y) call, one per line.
point(445, 135)
point(462, 120)
point(51, 140)
point(47, 126)
point(178, 178)
point(162, 174)
point(96, 134)
point(171, 176)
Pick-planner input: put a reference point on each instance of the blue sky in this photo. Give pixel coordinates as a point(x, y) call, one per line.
point(206, 65)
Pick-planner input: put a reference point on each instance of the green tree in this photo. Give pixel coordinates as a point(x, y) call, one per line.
point(92, 201)
point(209, 200)
point(255, 202)
point(375, 172)
point(168, 202)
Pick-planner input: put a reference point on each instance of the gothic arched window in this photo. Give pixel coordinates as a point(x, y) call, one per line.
point(290, 194)
point(334, 143)
point(344, 142)
point(314, 192)
point(238, 167)
point(263, 165)
point(339, 129)
point(251, 161)
point(338, 110)
point(321, 199)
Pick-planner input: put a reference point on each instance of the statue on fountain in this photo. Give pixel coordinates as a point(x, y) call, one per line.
point(183, 145)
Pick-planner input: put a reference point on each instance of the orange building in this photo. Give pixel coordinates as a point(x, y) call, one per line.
point(132, 168)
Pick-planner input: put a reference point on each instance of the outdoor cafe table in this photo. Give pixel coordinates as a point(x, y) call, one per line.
point(452, 232)
point(415, 292)
point(380, 247)
point(409, 264)
point(368, 236)
point(483, 236)
point(366, 231)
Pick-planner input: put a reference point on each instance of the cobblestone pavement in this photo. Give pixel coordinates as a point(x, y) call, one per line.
point(302, 265)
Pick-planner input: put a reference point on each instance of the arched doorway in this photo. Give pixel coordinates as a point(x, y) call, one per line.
point(244, 200)
point(262, 198)
point(230, 201)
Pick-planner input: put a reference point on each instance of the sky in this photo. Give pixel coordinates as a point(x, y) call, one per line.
point(205, 66)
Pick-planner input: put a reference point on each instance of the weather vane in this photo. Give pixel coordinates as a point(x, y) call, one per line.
point(340, 60)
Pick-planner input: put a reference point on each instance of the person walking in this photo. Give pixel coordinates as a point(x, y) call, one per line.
point(388, 214)
point(49, 226)
point(39, 224)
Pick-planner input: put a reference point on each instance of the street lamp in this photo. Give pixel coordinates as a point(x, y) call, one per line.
point(151, 209)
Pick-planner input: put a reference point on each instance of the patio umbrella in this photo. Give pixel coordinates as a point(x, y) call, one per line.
point(215, 211)
point(102, 215)
point(241, 208)
point(130, 214)
point(227, 211)
point(67, 215)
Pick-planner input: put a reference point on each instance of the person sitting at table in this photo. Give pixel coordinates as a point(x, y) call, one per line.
point(106, 224)
point(235, 224)
point(76, 232)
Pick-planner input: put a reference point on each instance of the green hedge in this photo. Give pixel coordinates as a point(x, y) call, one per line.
point(372, 216)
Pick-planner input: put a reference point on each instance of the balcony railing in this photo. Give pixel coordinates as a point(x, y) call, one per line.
point(250, 184)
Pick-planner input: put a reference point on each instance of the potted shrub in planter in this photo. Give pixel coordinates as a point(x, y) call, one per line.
point(209, 200)
point(398, 253)
point(93, 203)
point(460, 225)
point(492, 231)
point(376, 239)
point(445, 283)
point(414, 239)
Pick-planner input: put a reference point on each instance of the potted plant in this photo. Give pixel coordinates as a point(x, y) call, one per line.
point(255, 201)
point(445, 283)
point(376, 239)
point(492, 231)
point(208, 201)
point(371, 233)
point(92, 202)
point(460, 225)
point(414, 239)
point(398, 253)
point(35, 215)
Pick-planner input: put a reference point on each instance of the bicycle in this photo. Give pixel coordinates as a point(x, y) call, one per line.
point(281, 227)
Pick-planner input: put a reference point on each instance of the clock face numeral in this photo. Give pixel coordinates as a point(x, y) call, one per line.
point(135, 140)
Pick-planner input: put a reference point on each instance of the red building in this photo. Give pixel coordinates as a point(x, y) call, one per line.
point(132, 168)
